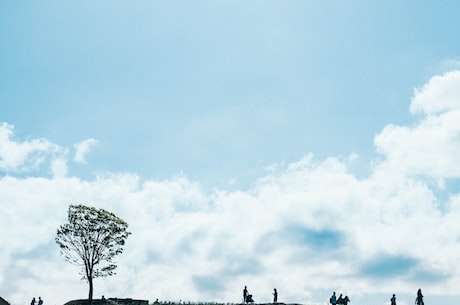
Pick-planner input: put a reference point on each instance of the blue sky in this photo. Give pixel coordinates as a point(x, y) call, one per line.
point(217, 89)
point(194, 114)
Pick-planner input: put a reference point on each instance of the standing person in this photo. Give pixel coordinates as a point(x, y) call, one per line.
point(245, 294)
point(275, 296)
point(419, 299)
point(340, 300)
point(393, 300)
point(333, 299)
point(40, 301)
point(33, 301)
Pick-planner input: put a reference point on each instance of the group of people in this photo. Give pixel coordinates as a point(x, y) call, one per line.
point(418, 299)
point(40, 301)
point(333, 300)
point(247, 298)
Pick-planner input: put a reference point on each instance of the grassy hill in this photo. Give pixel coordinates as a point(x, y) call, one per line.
point(128, 301)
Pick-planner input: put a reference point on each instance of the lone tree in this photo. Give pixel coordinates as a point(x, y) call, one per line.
point(91, 239)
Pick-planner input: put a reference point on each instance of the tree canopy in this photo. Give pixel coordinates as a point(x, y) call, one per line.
point(91, 239)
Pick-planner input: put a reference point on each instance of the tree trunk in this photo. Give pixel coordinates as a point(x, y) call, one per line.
point(90, 295)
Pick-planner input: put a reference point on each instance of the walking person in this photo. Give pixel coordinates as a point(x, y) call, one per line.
point(33, 301)
point(419, 299)
point(393, 299)
point(40, 301)
point(275, 296)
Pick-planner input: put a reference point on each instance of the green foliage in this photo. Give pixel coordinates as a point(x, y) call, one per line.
point(91, 239)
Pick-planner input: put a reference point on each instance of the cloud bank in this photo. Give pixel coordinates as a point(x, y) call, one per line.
point(308, 228)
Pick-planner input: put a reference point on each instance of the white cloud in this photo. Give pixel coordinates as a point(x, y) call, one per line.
point(431, 147)
point(82, 148)
point(306, 228)
point(441, 93)
point(28, 155)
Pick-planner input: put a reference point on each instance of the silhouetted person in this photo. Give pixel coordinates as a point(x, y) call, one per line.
point(40, 301)
point(393, 300)
point(275, 296)
point(333, 299)
point(33, 301)
point(419, 299)
point(343, 300)
point(245, 294)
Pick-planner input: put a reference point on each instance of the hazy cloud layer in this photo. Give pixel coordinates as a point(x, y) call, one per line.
point(83, 148)
point(305, 228)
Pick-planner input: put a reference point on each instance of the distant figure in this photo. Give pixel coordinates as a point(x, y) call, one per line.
point(40, 301)
point(393, 300)
point(245, 294)
point(33, 301)
point(156, 302)
point(419, 298)
point(275, 296)
point(343, 300)
point(333, 299)
point(103, 298)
